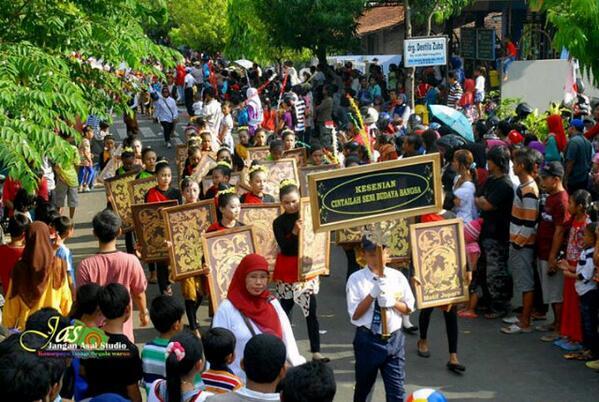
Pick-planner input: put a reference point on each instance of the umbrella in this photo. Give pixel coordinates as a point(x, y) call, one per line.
point(454, 119)
point(244, 63)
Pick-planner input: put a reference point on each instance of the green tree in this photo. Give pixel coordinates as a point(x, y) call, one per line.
point(46, 85)
point(438, 11)
point(318, 25)
point(576, 23)
point(248, 37)
point(200, 24)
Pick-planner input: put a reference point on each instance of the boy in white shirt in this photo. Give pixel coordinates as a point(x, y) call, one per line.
point(225, 139)
point(367, 293)
point(479, 90)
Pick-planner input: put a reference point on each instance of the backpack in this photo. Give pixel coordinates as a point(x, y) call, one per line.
point(243, 118)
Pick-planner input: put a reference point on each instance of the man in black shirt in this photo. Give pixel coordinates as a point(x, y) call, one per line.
point(495, 204)
point(120, 371)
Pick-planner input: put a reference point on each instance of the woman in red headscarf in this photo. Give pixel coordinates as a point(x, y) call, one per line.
point(556, 140)
point(250, 309)
point(38, 280)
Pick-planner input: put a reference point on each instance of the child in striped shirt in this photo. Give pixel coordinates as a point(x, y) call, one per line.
point(166, 314)
point(219, 348)
point(523, 230)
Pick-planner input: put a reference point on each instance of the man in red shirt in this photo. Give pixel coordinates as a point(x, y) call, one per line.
point(550, 241)
point(511, 54)
point(180, 83)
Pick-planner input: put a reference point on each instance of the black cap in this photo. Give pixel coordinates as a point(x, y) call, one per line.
point(552, 169)
point(367, 244)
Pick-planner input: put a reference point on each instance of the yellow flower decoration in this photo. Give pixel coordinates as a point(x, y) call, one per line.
point(258, 168)
point(287, 182)
point(230, 190)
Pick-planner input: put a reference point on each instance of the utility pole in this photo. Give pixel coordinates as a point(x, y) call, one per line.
point(408, 34)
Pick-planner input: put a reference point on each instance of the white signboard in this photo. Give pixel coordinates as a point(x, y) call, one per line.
point(422, 52)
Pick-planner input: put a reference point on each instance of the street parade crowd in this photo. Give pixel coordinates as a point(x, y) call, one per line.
point(526, 200)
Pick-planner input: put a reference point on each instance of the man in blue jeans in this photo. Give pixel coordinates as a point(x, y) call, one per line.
point(367, 294)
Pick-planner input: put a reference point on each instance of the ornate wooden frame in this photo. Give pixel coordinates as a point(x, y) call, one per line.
point(139, 187)
point(314, 248)
point(117, 193)
point(258, 153)
point(440, 264)
point(109, 169)
point(256, 215)
point(304, 171)
point(180, 158)
point(185, 225)
point(207, 163)
point(150, 229)
point(299, 154)
point(277, 171)
point(224, 250)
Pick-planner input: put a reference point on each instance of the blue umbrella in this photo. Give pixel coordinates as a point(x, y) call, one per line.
point(454, 119)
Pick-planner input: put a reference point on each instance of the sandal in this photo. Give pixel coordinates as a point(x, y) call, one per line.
point(467, 314)
point(493, 315)
point(422, 353)
point(456, 367)
point(583, 356)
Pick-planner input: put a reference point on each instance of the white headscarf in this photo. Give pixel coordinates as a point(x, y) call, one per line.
point(253, 100)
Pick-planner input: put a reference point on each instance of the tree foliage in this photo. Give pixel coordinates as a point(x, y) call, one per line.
point(441, 10)
point(318, 25)
point(249, 38)
point(576, 23)
point(200, 24)
point(44, 88)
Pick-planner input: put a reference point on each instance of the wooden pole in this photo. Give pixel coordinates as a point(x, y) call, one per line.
point(411, 70)
point(381, 272)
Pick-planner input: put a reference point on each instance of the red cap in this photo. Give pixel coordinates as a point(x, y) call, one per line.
point(514, 137)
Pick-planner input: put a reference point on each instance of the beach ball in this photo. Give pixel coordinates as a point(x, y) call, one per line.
point(426, 395)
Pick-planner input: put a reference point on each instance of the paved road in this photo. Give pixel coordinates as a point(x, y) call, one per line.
point(499, 367)
point(149, 132)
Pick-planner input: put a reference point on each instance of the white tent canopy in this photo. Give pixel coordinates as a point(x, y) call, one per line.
point(360, 61)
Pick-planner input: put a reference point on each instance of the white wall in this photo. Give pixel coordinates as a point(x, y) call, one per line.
point(539, 82)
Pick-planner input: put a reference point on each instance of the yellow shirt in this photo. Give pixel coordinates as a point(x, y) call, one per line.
point(16, 312)
point(192, 288)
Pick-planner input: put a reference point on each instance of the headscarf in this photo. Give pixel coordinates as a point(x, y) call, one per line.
point(37, 265)
point(556, 127)
point(537, 145)
point(468, 96)
point(256, 308)
point(256, 115)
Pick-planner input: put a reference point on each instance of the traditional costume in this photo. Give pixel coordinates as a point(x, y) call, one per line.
point(289, 289)
point(153, 195)
point(251, 198)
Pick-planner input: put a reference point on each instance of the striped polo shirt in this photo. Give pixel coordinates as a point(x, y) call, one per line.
point(221, 381)
point(525, 211)
point(300, 111)
point(153, 359)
